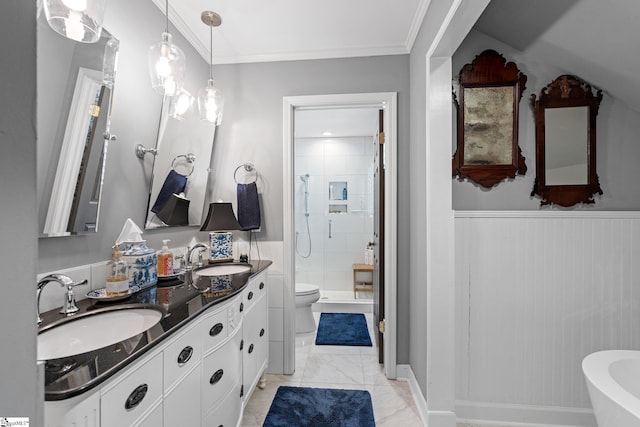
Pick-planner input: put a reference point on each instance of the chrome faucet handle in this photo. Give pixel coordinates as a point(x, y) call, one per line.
point(64, 281)
point(70, 306)
point(201, 247)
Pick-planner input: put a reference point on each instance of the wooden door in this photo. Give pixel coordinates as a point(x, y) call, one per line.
point(378, 238)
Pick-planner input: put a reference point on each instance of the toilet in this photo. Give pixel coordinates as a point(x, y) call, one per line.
point(306, 294)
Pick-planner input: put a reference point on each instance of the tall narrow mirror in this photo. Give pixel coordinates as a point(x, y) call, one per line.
point(75, 84)
point(566, 114)
point(180, 170)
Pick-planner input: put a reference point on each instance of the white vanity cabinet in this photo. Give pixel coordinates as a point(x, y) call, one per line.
point(256, 338)
point(196, 377)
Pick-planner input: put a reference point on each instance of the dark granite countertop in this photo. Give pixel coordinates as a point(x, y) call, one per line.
point(183, 298)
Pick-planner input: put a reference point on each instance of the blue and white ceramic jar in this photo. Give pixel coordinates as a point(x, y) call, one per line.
point(142, 262)
point(221, 246)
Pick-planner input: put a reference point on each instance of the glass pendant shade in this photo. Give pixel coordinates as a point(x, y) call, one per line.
point(79, 20)
point(211, 103)
point(180, 104)
point(166, 66)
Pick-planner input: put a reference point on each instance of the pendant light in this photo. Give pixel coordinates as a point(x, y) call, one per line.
point(166, 63)
point(210, 99)
point(79, 20)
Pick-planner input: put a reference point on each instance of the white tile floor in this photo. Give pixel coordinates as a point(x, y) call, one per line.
point(340, 367)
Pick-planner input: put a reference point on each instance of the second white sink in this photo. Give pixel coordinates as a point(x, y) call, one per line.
point(93, 331)
point(223, 270)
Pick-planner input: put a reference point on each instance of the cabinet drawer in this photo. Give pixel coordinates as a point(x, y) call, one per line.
point(214, 329)
point(221, 371)
point(181, 356)
point(228, 413)
point(256, 288)
point(129, 399)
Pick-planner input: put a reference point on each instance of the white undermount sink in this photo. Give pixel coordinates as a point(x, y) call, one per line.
point(94, 330)
point(222, 270)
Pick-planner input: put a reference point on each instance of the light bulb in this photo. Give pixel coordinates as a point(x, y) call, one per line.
point(163, 67)
point(74, 27)
point(77, 5)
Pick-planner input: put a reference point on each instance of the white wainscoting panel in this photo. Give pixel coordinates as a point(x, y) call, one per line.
point(535, 293)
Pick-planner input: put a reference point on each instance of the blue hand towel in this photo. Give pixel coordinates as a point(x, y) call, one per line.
point(248, 206)
point(174, 183)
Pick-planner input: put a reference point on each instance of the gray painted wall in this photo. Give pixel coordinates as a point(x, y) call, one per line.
point(417, 302)
point(251, 131)
point(618, 127)
point(136, 111)
point(18, 387)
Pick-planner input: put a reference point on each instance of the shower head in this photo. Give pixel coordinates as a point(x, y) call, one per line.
point(304, 177)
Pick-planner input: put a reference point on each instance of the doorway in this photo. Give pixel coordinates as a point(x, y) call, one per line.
point(386, 102)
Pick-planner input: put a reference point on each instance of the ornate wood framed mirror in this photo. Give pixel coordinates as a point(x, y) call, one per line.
point(490, 89)
point(565, 115)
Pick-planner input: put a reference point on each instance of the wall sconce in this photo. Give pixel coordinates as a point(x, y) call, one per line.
point(210, 99)
point(166, 63)
point(220, 220)
point(175, 211)
point(79, 20)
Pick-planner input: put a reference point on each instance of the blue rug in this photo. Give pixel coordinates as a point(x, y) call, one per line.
point(320, 407)
point(343, 329)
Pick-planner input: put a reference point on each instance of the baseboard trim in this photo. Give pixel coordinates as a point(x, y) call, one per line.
point(405, 373)
point(523, 415)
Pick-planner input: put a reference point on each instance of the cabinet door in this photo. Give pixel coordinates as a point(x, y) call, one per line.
point(153, 418)
point(126, 401)
point(221, 371)
point(182, 404)
point(256, 345)
point(228, 413)
point(80, 411)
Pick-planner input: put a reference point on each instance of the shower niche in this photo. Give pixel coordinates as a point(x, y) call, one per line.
point(338, 196)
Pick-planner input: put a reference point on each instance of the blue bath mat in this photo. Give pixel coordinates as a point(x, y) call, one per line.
point(320, 407)
point(343, 329)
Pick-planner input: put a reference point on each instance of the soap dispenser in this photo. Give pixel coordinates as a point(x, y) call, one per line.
point(117, 277)
point(165, 260)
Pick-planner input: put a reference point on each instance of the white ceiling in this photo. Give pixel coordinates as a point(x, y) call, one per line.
point(279, 30)
point(593, 39)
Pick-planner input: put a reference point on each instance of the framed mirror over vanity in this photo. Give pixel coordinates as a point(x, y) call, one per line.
point(565, 116)
point(75, 84)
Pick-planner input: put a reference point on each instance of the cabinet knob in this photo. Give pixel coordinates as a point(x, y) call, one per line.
point(136, 396)
point(251, 349)
point(242, 390)
point(241, 307)
point(217, 376)
point(185, 355)
point(241, 344)
point(261, 285)
point(250, 295)
point(262, 332)
point(216, 329)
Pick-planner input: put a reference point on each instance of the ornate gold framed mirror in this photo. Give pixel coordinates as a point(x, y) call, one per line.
point(489, 92)
point(565, 115)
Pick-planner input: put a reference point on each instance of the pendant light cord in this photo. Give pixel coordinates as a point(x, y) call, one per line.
point(210, 52)
point(166, 30)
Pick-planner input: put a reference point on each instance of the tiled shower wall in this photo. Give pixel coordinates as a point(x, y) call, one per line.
point(332, 254)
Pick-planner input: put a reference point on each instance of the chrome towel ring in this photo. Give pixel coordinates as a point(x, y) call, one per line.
point(190, 158)
point(248, 168)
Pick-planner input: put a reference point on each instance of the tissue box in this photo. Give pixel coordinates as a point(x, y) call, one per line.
point(142, 264)
point(221, 244)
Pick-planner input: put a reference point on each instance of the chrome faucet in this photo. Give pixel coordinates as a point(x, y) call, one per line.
point(69, 306)
point(200, 246)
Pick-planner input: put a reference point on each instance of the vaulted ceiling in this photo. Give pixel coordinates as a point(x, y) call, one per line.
point(593, 39)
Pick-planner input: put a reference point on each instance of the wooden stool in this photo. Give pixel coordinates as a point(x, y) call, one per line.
point(358, 283)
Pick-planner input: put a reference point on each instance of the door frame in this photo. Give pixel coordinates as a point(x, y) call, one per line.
point(388, 102)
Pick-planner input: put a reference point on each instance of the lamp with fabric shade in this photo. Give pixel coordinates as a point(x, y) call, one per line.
point(220, 220)
point(175, 211)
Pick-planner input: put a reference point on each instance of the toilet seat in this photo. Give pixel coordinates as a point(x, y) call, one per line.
point(306, 289)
